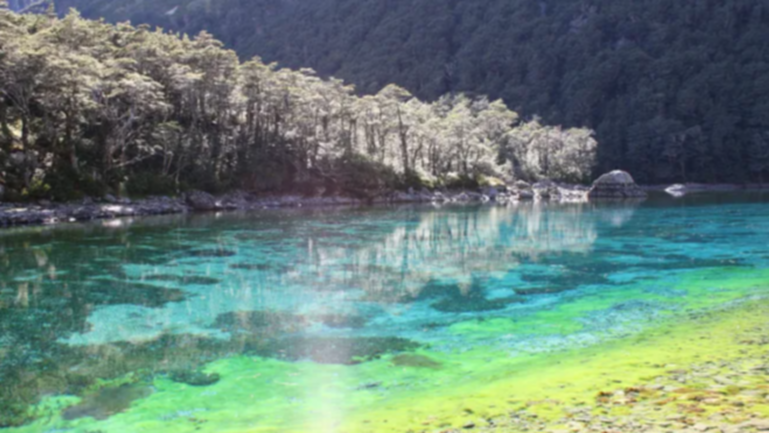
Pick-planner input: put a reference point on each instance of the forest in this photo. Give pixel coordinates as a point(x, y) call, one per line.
point(89, 108)
point(675, 91)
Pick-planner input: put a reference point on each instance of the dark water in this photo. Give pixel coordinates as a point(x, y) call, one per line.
point(134, 325)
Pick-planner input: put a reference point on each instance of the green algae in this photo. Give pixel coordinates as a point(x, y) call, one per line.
point(210, 252)
point(260, 322)
point(260, 366)
point(341, 321)
point(259, 267)
point(183, 279)
point(458, 298)
point(476, 380)
point(347, 351)
point(194, 377)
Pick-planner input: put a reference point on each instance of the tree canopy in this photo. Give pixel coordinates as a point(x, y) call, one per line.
point(676, 91)
point(87, 107)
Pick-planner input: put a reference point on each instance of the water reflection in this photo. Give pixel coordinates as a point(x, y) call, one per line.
point(163, 295)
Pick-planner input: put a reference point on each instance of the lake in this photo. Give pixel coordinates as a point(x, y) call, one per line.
point(415, 318)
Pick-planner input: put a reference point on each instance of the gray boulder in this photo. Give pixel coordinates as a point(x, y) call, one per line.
point(201, 201)
point(617, 184)
point(523, 190)
point(546, 190)
point(491, 192)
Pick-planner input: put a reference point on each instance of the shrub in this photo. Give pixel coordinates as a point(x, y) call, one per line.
point(142, 184)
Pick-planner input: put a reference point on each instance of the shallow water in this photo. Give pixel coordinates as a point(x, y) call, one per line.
point(285, 319)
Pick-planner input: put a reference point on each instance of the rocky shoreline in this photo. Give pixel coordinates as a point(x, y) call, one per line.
point(109, 207)
point(727, 393)
point(613, 185)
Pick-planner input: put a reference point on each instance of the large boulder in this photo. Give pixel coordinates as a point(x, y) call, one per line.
point(546, 189)
point(523, 190)
point(616, 184)
point(491, 192)
point(201, 201)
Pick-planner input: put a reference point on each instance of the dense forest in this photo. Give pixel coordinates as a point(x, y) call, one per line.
point(88, 107)
point(676, 91)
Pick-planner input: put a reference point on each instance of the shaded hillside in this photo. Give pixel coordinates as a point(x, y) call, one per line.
point(675, 90)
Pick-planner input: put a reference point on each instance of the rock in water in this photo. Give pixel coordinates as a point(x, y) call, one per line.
point(615, 184)
point(546, 189)
point(523, 190)
point(415, 360)
point(202, 201)
point(677, 190)
point(107, 402)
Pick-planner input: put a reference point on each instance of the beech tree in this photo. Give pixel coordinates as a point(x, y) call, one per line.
point(87, 107)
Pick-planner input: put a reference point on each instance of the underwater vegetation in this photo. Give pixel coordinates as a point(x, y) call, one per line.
point(184, 279)
point(194, 378)
point(347, 351)
point(370, 311)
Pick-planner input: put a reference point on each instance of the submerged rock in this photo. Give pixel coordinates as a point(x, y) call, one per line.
point(616, 184)
point(260, 322)
point(194, 377)
point(541, 290)
point(342, 321)
point(347, 351)
point(474, 304)
point(415, 360)
point(107, 401)
point(211, 252)
point(184, 279)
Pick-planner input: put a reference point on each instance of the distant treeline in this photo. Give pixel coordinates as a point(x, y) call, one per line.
point(675, 90)
point(88, 107)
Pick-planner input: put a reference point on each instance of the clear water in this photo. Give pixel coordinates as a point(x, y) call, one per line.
point(282, 319)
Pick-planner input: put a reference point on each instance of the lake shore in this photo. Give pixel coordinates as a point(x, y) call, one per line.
point(45, 212)
point(723, 392)
point(708, 374)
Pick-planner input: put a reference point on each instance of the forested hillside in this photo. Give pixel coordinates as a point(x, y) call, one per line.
point(88, 107)
point(676, 90)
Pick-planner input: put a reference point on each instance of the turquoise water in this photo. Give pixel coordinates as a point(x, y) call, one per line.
point(134, 325)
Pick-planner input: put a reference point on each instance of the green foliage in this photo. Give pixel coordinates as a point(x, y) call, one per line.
point(459, 181)
point(147, 183)
point(676, 91)
point(37, 189)
point(87, 107)
point(63, 183)
point(365, 177)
